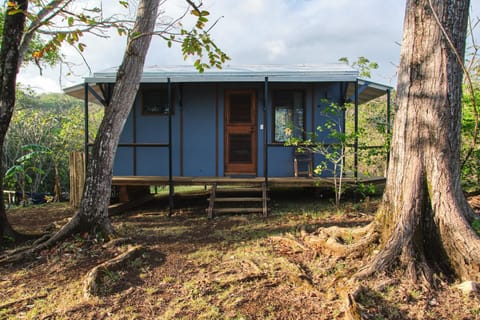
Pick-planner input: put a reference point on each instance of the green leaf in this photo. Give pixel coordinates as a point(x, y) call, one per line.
point(12, 171)
point(14, 11)
point(121, 31)
point(35, 147)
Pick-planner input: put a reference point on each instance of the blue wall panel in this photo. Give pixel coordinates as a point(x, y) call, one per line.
point(152, 128)
point(127, 134)
point(152, 162)
point(123, 162)
point(198, 109)
point(199, 130)
point(280, 162)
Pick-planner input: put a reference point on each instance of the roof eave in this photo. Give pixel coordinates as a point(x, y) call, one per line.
point(260, 77)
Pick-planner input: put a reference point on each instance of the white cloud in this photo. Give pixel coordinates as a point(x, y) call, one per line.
point(39, 83)
point(276, 49)
point(252, 6)
point(276, 31)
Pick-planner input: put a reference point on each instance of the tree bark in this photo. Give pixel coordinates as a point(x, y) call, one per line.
point(14, 25)
point(424, 216)
point(92, 216)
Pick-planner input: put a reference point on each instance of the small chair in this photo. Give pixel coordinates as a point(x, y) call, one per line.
point(303, 163)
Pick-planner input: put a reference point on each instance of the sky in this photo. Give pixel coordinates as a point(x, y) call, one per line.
point(258, 32)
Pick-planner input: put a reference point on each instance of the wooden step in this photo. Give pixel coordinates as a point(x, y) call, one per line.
point(230, 199)
point(238, 199)
point(238, 210)
point(211, 201)
point(239, 190)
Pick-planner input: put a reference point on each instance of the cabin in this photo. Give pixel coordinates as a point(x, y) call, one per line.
point(225, 126)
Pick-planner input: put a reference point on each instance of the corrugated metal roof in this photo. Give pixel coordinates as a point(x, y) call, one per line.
point(246, 73)
point(338, 72)
point(367, 90)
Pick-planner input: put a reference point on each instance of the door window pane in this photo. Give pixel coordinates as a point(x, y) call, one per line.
point(240, 108)
point(240, 148)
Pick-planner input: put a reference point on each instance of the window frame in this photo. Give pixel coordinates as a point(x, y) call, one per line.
point(292, 107)
point(158, 90)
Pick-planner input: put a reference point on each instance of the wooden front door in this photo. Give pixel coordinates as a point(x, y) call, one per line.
point(240, 132)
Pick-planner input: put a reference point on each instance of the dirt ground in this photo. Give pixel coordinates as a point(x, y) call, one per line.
point(230, 267)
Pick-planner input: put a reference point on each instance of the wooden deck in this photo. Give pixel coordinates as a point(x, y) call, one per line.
point(272, 182)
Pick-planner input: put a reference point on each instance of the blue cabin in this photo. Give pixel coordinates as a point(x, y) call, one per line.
point(188, 126)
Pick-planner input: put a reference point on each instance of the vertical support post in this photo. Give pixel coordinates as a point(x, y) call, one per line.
point(216, 129)
point(265, 132)
point(180, 107)
point(85, 100)
point(355, 144)
point(389, 107)
point(134, 137)
point(77, 177)
point(170, 157)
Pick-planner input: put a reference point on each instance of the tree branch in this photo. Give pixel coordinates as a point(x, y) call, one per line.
point(194, 6)
point(41, 19)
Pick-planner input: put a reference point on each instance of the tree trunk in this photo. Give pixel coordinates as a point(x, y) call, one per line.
point(56, 187)
point(92, 216)
point(9, 60)
point(424, 216)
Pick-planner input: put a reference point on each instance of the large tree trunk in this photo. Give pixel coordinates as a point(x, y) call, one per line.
point(424, 216)
point(9, 60)
point(92, 216)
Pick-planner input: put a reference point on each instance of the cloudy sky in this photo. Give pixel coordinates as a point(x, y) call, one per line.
point(261, 32)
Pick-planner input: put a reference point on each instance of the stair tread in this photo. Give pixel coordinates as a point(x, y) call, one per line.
point(238, 210)
point(238, 199)
point(241, 199)
point(239, 190)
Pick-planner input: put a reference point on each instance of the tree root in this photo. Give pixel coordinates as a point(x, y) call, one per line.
point(291, 241)
point(30, 252)
point(414, 262)
point(25, 247)
point(352, 308)
point(93, 277)
point(72, 226)
point(343, 242)
point(10, 304)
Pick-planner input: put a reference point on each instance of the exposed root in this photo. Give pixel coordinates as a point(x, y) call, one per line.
point(4, 257)
point(24, 254)
point(352, 308)
point(117, 242)
point(415, 264)
point(13, 303)
point(41, 239)
point(343, 242)
point(72, 226)
point(291, 241)
point(93, 278)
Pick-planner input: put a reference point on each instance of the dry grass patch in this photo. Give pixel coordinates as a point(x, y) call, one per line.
point(231, 267)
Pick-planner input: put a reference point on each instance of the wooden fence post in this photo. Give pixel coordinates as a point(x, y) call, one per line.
point(77, 177)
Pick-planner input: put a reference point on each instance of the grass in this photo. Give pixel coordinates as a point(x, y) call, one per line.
point(163, 190)
point(476, 226)
point(230, 267)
